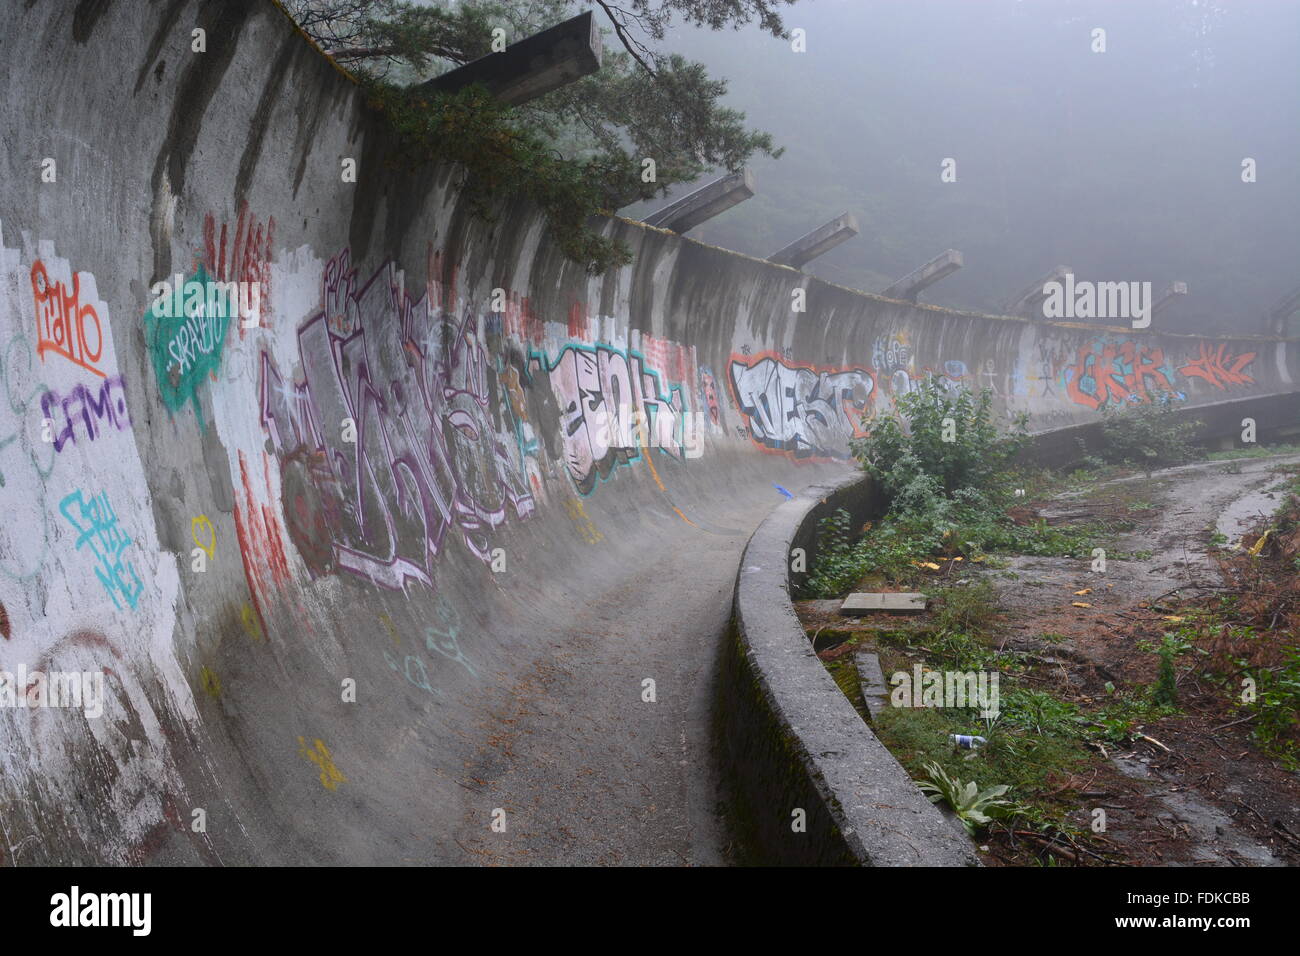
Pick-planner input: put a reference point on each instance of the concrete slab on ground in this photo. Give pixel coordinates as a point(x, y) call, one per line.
point(889, 602)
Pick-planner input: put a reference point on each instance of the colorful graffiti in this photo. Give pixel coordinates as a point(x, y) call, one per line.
point(186, 348)
point(245, 257)
point(390, 439)
point(1112, 371)
point(62, 321)
point(612, 406)
point(1219, 367)
point(261, 548)
point(96, 524)
point(893, 364)
point(709, 393)
point(802, 411)
point(1109, 371)
point(92, 407)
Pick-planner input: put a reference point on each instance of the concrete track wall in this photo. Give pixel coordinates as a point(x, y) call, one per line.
point(445, 465)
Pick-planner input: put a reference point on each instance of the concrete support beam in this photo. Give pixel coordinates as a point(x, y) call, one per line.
point(911, 285)
point(818, 242)
point(1030, 301)
point(704, 203)
point(532, 67)
point(1283, 310)
point(1175, 290)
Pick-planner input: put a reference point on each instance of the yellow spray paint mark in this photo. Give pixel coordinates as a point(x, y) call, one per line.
point(330, 776)
point(578, 512)
point(654, 473)
point(210, 682)
point(249, 617)
point(392, 631)
point(204, 535)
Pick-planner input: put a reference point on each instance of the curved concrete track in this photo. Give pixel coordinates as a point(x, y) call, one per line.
point(398, 546)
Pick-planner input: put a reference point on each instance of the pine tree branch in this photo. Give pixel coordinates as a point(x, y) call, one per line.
point(625, 38)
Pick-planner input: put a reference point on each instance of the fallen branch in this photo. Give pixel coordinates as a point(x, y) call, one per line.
point(1233, 724)
point(1156, 742)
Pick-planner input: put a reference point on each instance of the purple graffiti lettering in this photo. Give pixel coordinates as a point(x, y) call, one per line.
point(389, 440)
point(91, 406)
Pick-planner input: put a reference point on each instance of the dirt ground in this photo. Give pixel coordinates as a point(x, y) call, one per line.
point(1193, 789)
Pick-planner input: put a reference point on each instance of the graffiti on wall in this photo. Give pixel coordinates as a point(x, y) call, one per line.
point(1052, 359)
point(893, 364)
point(1110, 371)
point(96, 525)
point(92, 407)
point(613, 406)
point(185, 349)
point(802, 411)
point(392, 438)
point(1219, 367)
point(260, 537)
point(709, 395)
point(244, 257)
point(891, 358)
point(66, 325)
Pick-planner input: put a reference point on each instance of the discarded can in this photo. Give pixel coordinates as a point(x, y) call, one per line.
point(966, 741)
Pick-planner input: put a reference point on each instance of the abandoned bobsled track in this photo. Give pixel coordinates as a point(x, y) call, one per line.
point(405, 551)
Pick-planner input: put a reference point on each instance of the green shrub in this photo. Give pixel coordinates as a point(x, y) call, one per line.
point(1165, 691)
point(1277, 709)
point(943, 441)
point(1147, 434)
point(947, 478)
point(969, 609)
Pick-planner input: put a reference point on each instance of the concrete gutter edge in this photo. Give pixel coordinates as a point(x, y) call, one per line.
point(865, 807)
point(792, 740)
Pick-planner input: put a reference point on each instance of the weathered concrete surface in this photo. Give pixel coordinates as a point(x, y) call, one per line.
point(1028, 302)
point(532, 66)
point(704, 203)
point(817, 763)
point(349, 471)
point(924, 276)
point(817, 243)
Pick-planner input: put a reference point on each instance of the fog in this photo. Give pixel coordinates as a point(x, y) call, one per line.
point(1125, 165)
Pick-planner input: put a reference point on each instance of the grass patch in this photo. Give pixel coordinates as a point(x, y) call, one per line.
point(1253, 451)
